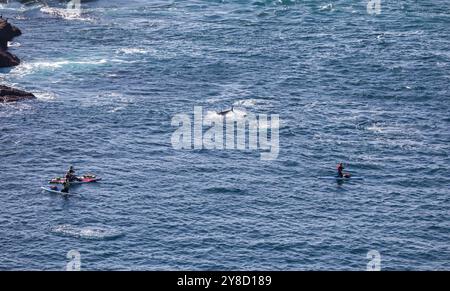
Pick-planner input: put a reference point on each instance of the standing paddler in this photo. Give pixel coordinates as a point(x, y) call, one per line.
point(340, 169)
point(66, 186)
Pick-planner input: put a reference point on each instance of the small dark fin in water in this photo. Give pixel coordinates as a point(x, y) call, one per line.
point(225, 112)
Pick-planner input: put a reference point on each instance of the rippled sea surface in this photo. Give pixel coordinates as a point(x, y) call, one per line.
point(369, 90)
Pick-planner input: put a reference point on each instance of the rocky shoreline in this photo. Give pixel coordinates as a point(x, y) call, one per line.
point(8, 94)
point(7, 33)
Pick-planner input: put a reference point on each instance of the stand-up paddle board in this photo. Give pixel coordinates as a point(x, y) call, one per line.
point(50, 190)
point(341, 178)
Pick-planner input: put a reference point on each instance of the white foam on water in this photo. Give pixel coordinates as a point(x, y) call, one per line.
point(121, 61)
point(387, 128)
point(32, 67)
point(68, 14)
point(150, 51)
point(375, 128)
point(45, 96)
point(236, 114)
point(213, 116)
point(14, 44)
point(17, 7)
point(14, 108)
point(246, 103)
point(132, 51)
point(327, 7)
point(86, 232)
point(113, 101)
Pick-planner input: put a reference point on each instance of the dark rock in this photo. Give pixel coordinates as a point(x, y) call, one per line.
point(8, 60)
point(8, 94)
point(7, 33)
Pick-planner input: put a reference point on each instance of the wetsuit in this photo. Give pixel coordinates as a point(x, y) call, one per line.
point(70, 176)
point(340, 168)
point(66, 187)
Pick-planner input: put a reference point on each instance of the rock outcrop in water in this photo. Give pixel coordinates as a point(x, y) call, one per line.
point(7, 33)
point(8, 94)
point(8, 60)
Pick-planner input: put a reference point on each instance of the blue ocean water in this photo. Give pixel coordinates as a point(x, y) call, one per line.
point(369, 90)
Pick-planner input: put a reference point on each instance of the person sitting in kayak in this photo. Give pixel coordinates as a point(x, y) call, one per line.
point(66, 186)
point(70, 175)
point(340, 169)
